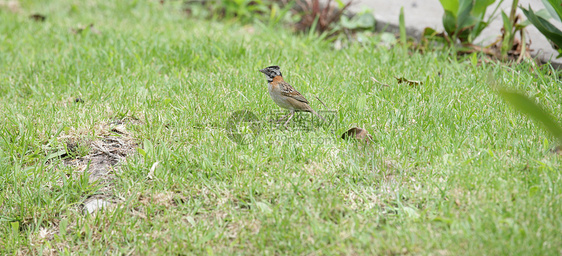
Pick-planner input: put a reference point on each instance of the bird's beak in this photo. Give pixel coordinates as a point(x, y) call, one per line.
point(262, 70)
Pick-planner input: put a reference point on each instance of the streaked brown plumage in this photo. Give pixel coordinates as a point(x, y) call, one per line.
point(284, 94)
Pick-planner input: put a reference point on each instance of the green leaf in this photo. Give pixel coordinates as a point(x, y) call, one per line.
point(554, 7)
point(531, 109)
point(347, 23)
point(464, 18)
point(429, 32)
point(480, 7)
point(365, 20)
point(15, 228)
point(450, 5)
point(340, 3)
point(264, 207)
point(543, 14)
point(62, 227)
point(141, 152)
point(402, 25)
point(360, 21)
point(147, 145)
point(546, 28)
point(55, 155)
point(533, 190)
point(508, 30)
point(411, 212)
point(449, 23)
point(474, 59)
point(478, 29)
point(361, 102)
point(388, 38)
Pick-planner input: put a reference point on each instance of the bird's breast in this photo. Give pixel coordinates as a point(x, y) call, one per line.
point(277, 96)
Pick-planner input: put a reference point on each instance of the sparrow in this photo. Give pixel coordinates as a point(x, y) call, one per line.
point(284, 94)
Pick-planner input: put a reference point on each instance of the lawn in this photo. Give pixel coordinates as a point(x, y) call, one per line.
point(452, 169)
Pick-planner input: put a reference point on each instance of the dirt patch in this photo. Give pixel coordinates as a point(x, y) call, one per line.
point(112, 148)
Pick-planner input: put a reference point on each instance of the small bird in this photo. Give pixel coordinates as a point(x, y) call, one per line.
point(284, 94)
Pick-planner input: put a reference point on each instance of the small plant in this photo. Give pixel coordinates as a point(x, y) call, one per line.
point(242, 10)
point(463, 20)
point(553, 34)
point(509, 29)
point(245, 10)
point(508, 46)
point(320, 17)
point(402, 26)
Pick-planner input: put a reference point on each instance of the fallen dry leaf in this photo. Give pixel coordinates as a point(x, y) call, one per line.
point(38, 17)
point(409, 82)
point(357, 133)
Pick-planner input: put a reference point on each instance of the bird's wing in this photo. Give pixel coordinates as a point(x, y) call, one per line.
point(289, 91)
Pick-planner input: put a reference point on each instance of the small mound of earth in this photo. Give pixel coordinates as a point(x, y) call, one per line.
point(111, 149)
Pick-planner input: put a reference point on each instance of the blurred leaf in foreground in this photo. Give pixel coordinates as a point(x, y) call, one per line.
point(531, 109)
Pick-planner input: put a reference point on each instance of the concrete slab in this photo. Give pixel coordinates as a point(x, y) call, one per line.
point(420, 14)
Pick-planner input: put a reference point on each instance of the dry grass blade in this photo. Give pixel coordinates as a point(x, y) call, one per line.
point(377, 81)
point(150, 175)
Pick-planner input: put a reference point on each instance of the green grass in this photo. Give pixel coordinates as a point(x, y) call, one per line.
point(453, 169)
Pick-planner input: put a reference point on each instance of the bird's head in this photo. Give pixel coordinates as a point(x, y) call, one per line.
point(271, 72)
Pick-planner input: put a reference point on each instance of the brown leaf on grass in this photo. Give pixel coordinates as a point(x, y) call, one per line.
point(409, 82)
point(38, 17)
point(81, 29)
point(357, 133)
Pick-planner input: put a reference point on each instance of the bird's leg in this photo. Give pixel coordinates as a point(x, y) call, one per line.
point(283, 118)
point(291, 114)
